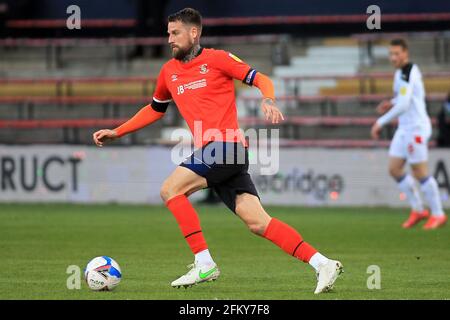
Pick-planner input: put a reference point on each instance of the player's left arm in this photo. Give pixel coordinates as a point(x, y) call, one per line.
point(402, 103)
point(235, 68)
point(268, 105)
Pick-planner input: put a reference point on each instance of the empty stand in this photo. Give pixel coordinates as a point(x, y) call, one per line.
point(328, 92)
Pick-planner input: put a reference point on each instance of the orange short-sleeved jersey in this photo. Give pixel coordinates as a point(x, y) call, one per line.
point(203, 91)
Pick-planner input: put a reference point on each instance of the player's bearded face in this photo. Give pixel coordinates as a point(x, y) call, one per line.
point(181, 40)
point(179, 52)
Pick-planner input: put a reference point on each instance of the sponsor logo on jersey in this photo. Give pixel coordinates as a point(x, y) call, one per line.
point(191, 86)
point(403, 91)
point(174, 77)
point(195, 84)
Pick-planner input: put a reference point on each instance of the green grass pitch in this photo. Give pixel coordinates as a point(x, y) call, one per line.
point(39, 241)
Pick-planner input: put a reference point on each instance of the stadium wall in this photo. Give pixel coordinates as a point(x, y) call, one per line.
point(304, 177)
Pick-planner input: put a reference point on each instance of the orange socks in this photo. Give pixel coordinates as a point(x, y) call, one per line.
point(283, 235)
point(289, 240)
point(188, 222)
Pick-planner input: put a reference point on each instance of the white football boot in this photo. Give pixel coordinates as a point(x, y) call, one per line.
point(327, 275)
point(197, 274)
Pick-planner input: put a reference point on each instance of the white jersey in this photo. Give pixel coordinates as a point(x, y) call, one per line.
point(408, 102)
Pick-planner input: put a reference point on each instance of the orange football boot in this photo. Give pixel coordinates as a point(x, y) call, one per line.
point(414, 218)
point(435, 222)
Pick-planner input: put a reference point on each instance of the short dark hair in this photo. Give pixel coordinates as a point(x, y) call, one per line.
point(187, 16)
point(400, 42)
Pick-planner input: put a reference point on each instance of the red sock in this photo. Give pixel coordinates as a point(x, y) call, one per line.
point(288, 239)
point(188, 222)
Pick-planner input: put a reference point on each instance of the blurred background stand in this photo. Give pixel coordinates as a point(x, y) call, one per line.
point(443, 138)
point(151, 22)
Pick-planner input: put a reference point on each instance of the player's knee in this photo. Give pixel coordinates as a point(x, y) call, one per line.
point(257, 227)
point(169, 190)
point(395, 172)
point(392, 172)
point(420, 175)
point(166, 191)
point(419, 172)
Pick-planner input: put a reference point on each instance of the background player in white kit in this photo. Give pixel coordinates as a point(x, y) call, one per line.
point(409, 144)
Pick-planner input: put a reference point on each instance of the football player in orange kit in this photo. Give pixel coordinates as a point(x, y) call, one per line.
point(200, 82)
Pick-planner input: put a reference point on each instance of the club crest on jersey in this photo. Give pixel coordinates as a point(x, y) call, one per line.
point(174, 77)
point(204, 68)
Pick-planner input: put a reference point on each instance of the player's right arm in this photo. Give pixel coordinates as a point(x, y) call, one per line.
point(402, 102)
point(402, 99)
point(145, 116)
point(385, 106)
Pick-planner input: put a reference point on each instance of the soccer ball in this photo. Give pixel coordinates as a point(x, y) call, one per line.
point(102, 273)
